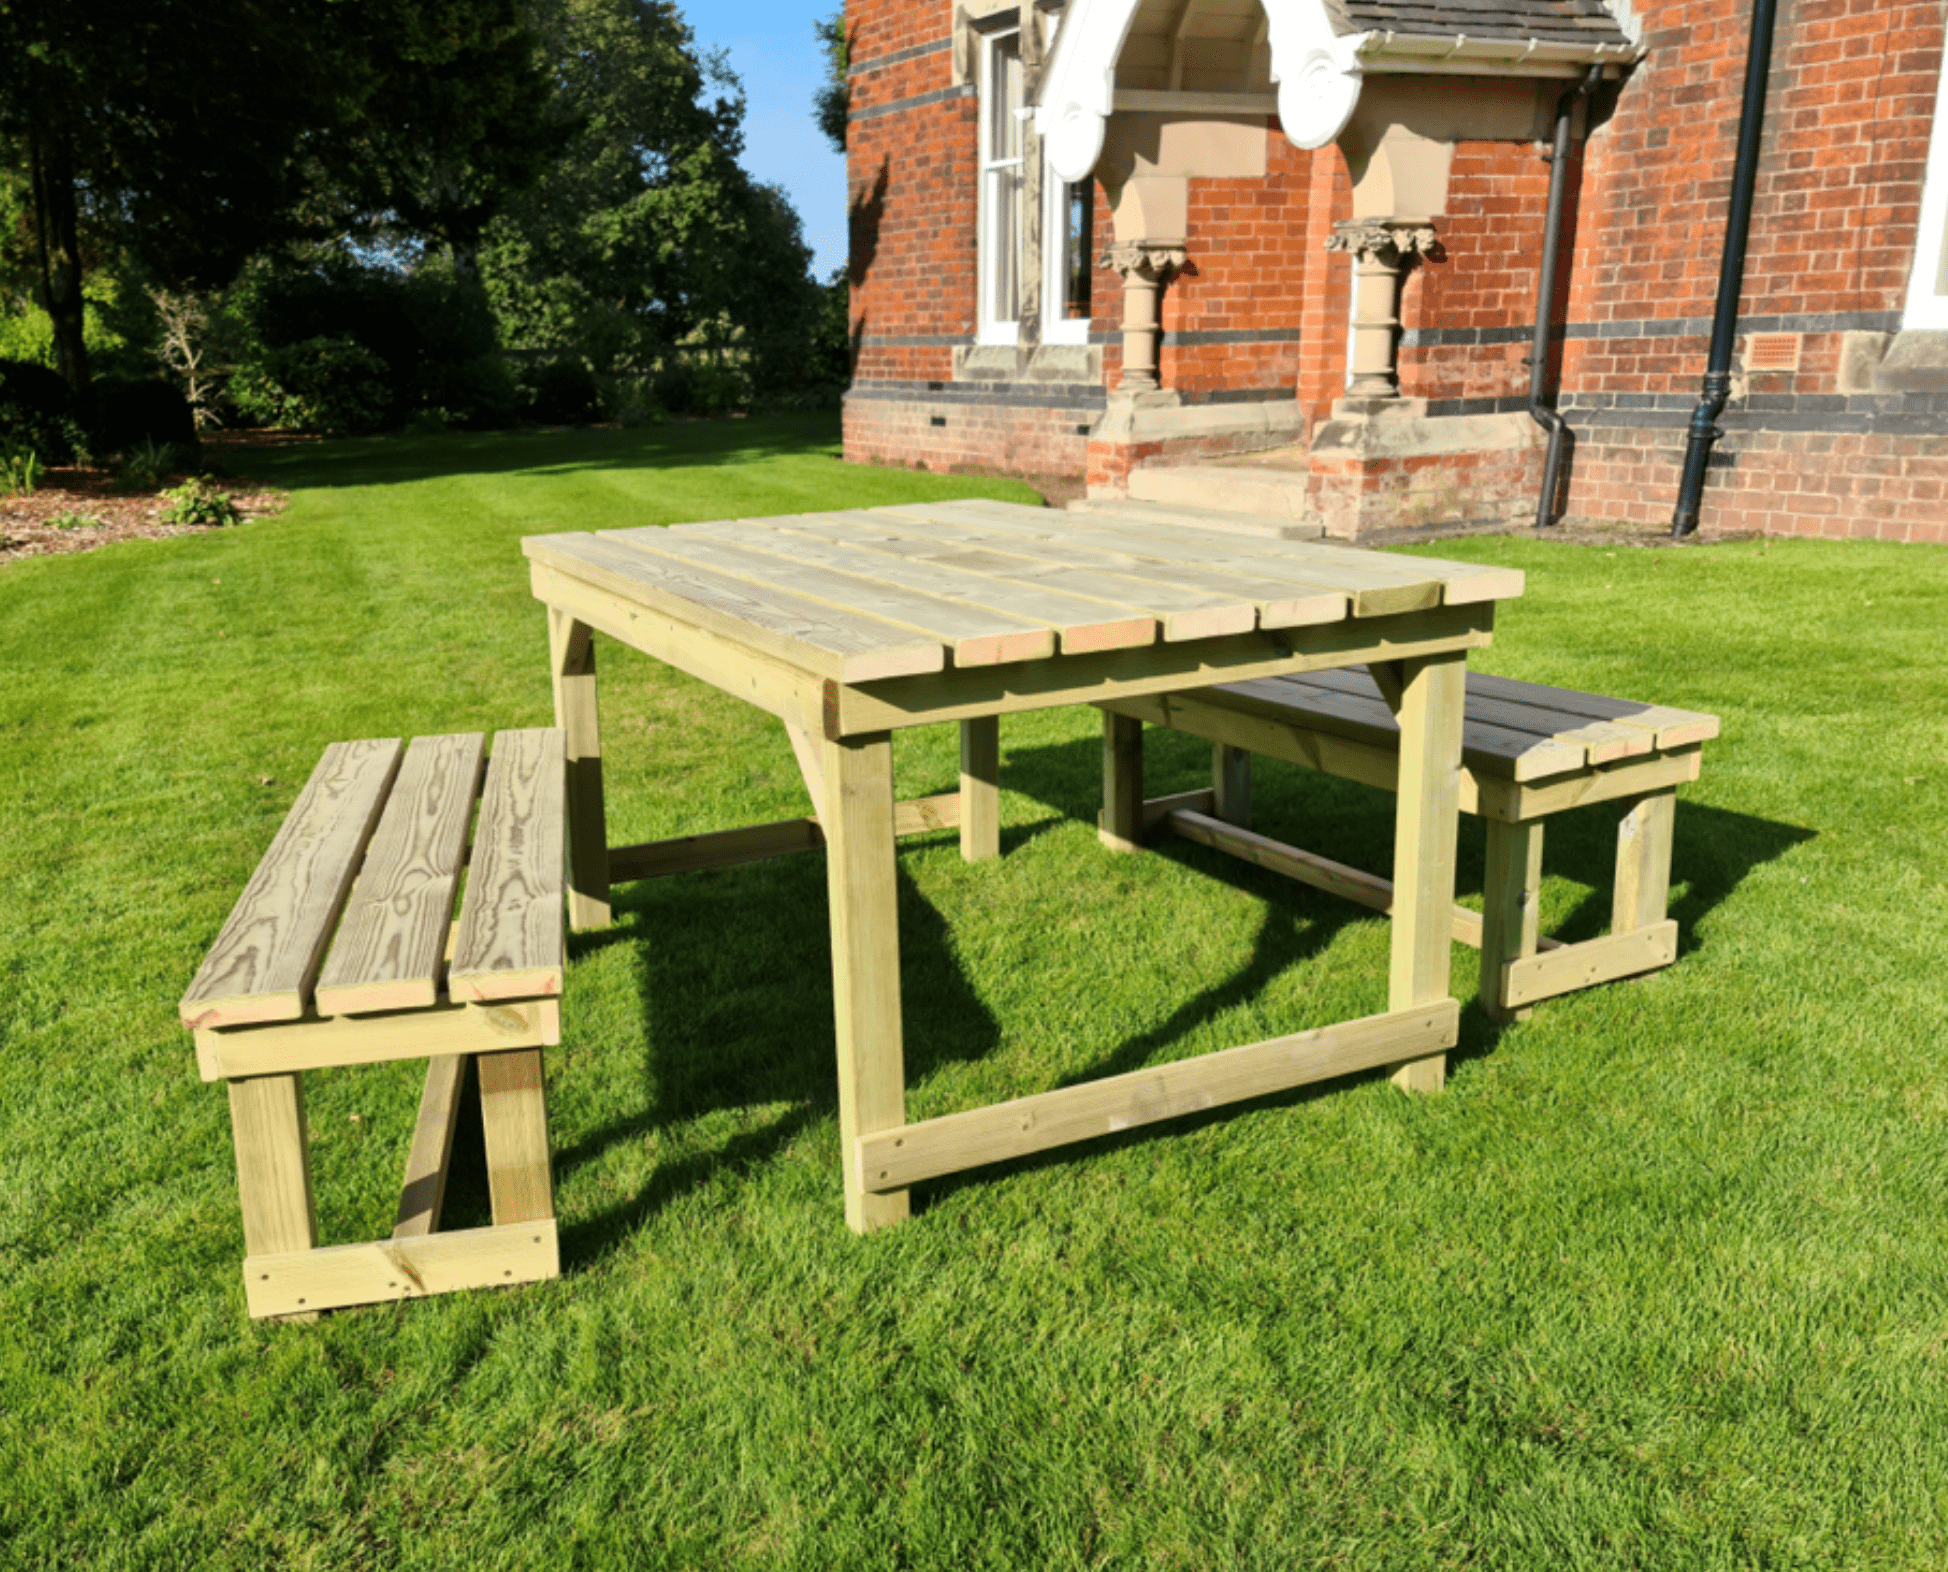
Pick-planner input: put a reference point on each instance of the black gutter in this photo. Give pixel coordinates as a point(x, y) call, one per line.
point(1545, 301)
point(1731, 275)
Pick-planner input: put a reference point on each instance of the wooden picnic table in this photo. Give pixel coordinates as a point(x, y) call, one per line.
point(848, 626)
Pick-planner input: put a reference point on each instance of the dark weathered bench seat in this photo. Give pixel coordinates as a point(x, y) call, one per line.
point(1528, 751)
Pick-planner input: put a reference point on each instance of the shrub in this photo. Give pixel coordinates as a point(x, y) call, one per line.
point(149, 463)
point(37, 410)
point(20, 467)
point(479, 392)
point(130, 411)
point(560, 392)
point(199, 500)
point(74, 521)
point(318, 384)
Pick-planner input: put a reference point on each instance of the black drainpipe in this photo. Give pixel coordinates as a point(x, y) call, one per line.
point(1731, 275)
point(1545, 300)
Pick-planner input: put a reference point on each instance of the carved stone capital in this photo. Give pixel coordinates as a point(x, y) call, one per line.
point(1152, 261)
point(1383, 239)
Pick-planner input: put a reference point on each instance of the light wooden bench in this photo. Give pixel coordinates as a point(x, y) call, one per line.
point(1528, 751)
point(342, 950)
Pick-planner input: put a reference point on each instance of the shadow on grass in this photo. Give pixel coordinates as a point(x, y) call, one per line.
point(389, 460)
point(735, 970)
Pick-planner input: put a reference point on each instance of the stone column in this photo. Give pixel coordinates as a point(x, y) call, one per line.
point(1381, 248)
point(1146, 266)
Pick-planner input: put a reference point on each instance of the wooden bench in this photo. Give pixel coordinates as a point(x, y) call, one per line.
point(342, 950)
point(1528, 751)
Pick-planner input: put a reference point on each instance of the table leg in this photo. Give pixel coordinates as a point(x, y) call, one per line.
point(980, 788)
point(267, 1125)
point(863, 895)
point(1122, 823)
point(1427, 826)
point(514, 1120)
point(1510, 908)
point(571, 659)
point(1231, 784)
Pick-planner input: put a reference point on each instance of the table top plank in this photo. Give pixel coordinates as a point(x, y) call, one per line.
point(267, 954)
point(1079, 625)
point(844, 646)
point(1373, 593)
point(393, 935)
point(976, 636)
point(1464, 583)
point(509, 943)
point(973, 548)
point(1182, 614)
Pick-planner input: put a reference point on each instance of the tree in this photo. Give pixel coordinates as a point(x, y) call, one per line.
point(645, 233)
point(832, 103)
point(193, 133)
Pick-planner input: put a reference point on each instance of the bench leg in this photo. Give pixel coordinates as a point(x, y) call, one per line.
point(1231, 784)
point(1511, 900)
point(863, 897)
point(1643, 891)
point(571, 658)
point(980, 788)
point(1122, 821)
point(273, 1145)
point(1426, 827)
point(514, 1120)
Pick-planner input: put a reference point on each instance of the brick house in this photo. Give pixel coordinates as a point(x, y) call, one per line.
point(1283, 255)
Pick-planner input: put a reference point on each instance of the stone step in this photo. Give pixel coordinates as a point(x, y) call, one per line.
point(1264, 492)
point(1203, 517)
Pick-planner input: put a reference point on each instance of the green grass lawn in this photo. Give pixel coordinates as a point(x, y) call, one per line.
point(1660, 1281)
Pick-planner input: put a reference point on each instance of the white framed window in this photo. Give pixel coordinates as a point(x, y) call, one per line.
point(1927, 289)
point(1000, 230)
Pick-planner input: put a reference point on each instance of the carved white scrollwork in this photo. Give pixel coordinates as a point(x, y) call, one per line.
point(1317, 72)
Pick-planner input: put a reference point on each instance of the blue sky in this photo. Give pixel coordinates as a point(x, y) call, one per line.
point(772, 49)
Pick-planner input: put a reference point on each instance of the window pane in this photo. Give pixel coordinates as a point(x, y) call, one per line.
point(1004, 98)
point(1004, 234)
point(1079, 210)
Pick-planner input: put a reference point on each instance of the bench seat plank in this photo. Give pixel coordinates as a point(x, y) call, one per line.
point(510, 941)
point(1602, 742)
point(267, 955)
point(393, 936)
point(1485, 748)
point(1673, 728)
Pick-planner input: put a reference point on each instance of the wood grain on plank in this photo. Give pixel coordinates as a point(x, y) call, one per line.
point(362, 1274)
point(1673, 728)
point(815, 638)
point(1373, 591)
point(424, 1193)
point(894, 1158)
point(977, 636)
point(1041, 554)
point(1463, 583)
point(510, 940)
point(320, 1042)
point(837, 541)
point(267, 955)
point(393, 934)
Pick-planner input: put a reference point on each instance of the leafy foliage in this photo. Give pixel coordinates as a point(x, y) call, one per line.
point(832, 102)
point(147, 465)
point(324, 383)
point(20, 467)
point(200, 501)
point(645, 239)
